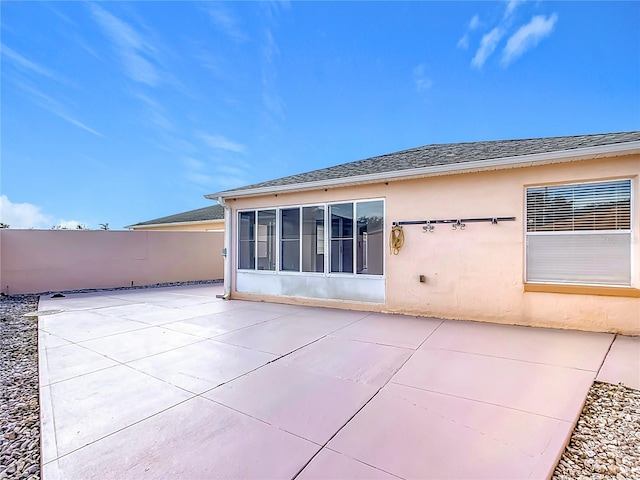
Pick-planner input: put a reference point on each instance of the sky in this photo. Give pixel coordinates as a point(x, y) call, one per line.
point(122, 112)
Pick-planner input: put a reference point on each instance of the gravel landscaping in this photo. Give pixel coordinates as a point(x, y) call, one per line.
point(19, 394)
point(605, 443)
point(19, 407)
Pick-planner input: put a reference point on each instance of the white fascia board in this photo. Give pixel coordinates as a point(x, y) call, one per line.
point(520, 161)
point(175, 224)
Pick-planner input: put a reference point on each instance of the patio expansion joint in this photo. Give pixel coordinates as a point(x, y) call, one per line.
point(323, 446)
point(199, 340)
point(99, 307)
point(83, 374)
point(373, 343)
point(54, 335)
point(365, 404)
point(79, 343)
point(126, 364)
point(201, 394)
point(517, 359)
point(604, 357)
point(194, 394)
point(120, 429)
point(260, 420)
point(278, 357)
point(367, 314)
point(103, 307)
point(123, 364)
point(46, 406)
point(359, 461)
point(480, 401)
point(237, 330)
point(244, 347)
point(468, 427)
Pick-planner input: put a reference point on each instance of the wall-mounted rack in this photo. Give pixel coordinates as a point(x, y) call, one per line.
point(454, 222)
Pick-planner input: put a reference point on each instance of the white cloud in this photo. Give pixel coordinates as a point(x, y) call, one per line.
point(270, 47)
point(422, 81)
point(464, 41)
point(474, 23)
point(23, 215)
point(231, 171)
point(196, 172)
point(271, 99)
point(229, 181)
point(193, 163)
point(221, 175)
point(221, 143)
point(511, 7)
point(174, 145)
point(132, 47)
point(274, 9)
point(274, 103)
point(528, 36)
point(155, 113)
point(225, 21)
point(25, 64)
point(488, 44)
point(54, 107)
point(73, 121)
point(140, 69)
point(201, 178)
point(27, 215)
point(36, 96)
point(525, 37)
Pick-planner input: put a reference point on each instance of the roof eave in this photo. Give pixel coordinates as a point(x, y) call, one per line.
point(520, 161)
point(174, 224)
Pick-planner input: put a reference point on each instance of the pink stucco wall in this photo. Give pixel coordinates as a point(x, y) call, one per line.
point(53, 260)
point(478, 273)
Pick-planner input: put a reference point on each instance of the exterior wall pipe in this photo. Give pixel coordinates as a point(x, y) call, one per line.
point(227, 248)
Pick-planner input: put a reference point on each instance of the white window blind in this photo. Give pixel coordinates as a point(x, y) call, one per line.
point(579, 234)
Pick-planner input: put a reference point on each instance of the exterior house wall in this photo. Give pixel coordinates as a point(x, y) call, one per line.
point(54, 260)
point(478, 273)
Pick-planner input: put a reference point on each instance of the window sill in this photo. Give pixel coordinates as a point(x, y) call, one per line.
point(583, 290)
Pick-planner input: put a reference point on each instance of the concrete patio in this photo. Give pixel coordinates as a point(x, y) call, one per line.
point(175, 383)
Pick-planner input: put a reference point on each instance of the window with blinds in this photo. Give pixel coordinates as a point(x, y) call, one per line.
point(579, 233)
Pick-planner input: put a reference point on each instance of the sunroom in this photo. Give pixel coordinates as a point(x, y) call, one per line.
point(327, 250)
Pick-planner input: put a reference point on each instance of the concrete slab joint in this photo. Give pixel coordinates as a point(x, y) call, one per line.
point(177, 383)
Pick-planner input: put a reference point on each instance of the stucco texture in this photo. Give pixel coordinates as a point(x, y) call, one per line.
point(54, 260)
point(478, 273)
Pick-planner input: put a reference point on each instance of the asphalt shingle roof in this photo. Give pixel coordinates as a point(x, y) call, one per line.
point(214, 212)
point(449, 154)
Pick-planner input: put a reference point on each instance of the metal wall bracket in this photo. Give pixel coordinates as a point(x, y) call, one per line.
point(456, 223)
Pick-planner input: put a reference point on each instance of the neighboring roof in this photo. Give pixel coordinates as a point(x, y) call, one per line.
point(445, 158)
point(214, 212)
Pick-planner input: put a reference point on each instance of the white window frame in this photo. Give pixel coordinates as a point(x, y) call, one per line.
point(327, 240)
point(629, 232)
